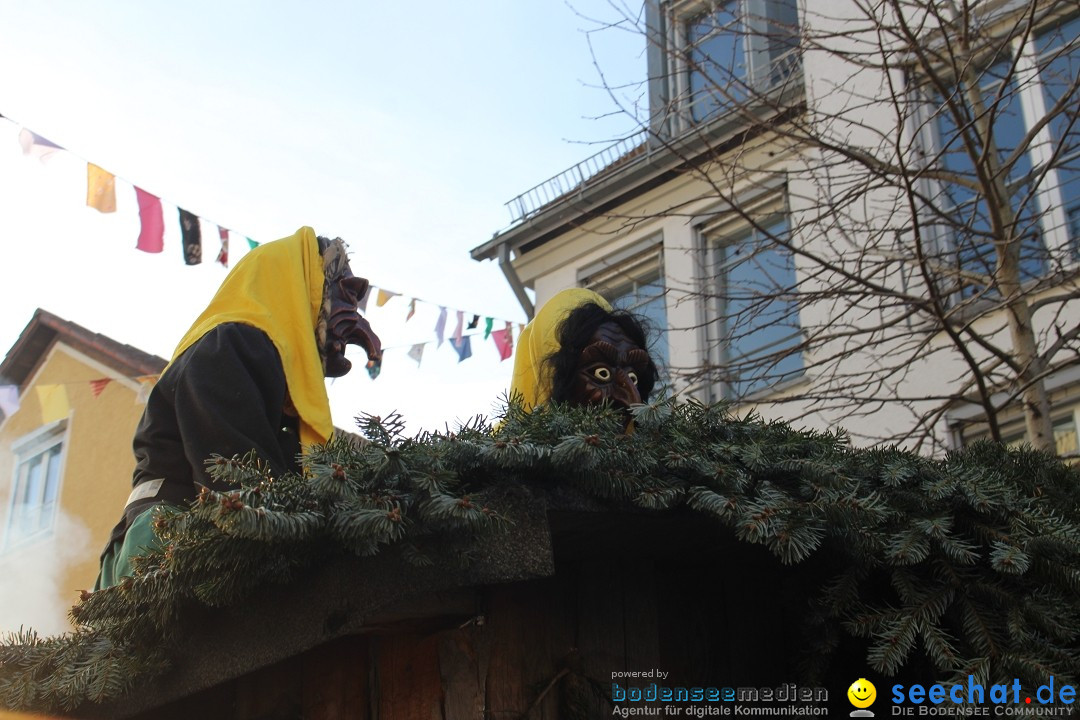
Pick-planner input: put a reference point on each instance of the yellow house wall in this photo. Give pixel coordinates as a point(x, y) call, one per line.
point(97, 463)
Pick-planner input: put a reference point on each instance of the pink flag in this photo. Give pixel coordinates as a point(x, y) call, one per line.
point(412, 310)
point(458, 328)
point(152, 235)
point(504, 342)
point(440, 326)
point(223, 254)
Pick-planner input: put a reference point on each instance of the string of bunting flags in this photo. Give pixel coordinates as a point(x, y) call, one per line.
point(56, 403)
point(101, 195)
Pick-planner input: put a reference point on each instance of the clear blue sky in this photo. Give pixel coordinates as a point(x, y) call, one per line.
point(401, 127)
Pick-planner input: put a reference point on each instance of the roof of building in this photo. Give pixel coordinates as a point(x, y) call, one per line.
point(629, 169)
point(46, 329)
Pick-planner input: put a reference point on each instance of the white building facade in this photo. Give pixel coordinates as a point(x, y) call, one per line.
point(812, 229)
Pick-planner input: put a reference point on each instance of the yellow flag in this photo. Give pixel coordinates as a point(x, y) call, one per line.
point(54, 402)
point(384, 297)
point(100, 189)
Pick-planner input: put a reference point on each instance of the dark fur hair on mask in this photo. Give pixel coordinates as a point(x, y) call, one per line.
point(576, 332)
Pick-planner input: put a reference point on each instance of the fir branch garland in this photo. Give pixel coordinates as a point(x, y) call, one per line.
point(980, 550)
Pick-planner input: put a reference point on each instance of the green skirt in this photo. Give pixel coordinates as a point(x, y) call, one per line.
point(140, 539)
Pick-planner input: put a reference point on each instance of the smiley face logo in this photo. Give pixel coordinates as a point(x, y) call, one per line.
point(862, 693)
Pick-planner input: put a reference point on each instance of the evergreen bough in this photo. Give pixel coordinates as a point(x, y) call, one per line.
point(980, 549)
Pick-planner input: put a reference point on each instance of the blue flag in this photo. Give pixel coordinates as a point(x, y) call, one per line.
point(463, 347)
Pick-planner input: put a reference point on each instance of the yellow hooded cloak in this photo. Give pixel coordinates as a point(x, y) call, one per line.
point(540, 339)
point(278, 288)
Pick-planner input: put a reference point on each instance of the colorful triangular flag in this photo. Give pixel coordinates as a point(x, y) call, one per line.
point(440, 326)
point(504, 342)
point(488, 322)
point(100, 189)
point(251, 243)
point(36, 146)
point(54, 402)
point(463, 346)
point(384, 296)
point(416, 352)
point(96, 386)
point(9, 399)
point(460, 325)
point(474, 322)
point(152, 233)
point(223, 254)
point(191, 235)
point(412, 310)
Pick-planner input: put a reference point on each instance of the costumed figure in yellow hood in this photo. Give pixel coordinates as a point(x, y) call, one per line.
point(248, 375)
point(578, 350)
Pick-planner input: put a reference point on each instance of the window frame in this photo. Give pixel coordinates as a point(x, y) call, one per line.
point(713, 235)
point(25, 450)
point(1060, 246)
point(752, 17)
point(635, 265)
point(1014, 433)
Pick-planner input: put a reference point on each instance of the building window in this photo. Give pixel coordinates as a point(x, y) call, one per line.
point(36, 490)
point(1066, 439)
point(1018, 90)
point(731, 50)
point(634, 280)
point(1058, 60)
point(755, 339)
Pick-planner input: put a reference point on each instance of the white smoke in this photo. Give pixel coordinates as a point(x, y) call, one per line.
point(33, 594)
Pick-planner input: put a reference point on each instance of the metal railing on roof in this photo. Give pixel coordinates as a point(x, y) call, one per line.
point(782, 70)
point(574, 179)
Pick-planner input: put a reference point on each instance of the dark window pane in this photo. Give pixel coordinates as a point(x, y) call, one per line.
point(32, 498)
point(647, 298)
point(738, 48)
point(972, 225)
point(52, 488)
point(782, 33)
point(717, 61)
point(759, 326)
point(37, 487)
point(1059, 66)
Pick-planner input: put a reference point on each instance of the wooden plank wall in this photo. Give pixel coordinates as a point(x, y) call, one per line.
point(541, 650)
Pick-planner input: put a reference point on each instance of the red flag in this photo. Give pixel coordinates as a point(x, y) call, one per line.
point(504, 342)
point(152, 235)
point(96, 386)
point(223, 254)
